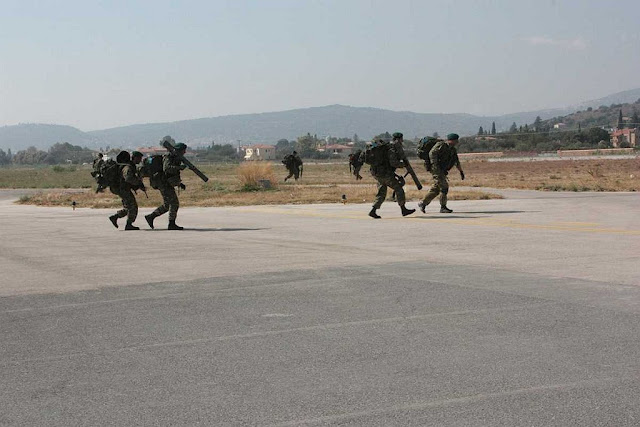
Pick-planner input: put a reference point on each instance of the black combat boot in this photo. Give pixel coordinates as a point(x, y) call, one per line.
point(445, 209)
point(406, 211)
point(422, 207)
point(174, 226)
point(373, 213)
point(114, 220)
point(150, 219)
point(130, 226)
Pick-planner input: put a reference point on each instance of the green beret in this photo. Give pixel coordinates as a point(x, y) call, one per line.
point(180, 146)
point(397, 135)
point(453, 136)
point(136, 154)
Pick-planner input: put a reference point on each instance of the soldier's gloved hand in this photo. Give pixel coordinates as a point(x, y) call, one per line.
point(462, 175)
point(183, 167)
point(182, 186)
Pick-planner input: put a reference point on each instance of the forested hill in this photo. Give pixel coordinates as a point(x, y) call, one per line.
point(41, 136)
point(332, 120)
point(602, 116)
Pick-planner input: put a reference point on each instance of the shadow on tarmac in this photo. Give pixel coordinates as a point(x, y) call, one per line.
point(215, 229)
point(492, 212)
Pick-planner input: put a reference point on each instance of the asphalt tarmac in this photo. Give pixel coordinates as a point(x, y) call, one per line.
point(512, 312)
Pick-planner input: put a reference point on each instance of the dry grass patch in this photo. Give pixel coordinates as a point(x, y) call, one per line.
point(326, 183)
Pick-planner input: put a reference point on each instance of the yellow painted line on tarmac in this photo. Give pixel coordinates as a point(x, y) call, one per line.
point(486, 222)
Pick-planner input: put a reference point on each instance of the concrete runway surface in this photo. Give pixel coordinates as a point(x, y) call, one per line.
point(512, 312)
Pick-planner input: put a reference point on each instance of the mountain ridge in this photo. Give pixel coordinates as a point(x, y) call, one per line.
point(268, 127)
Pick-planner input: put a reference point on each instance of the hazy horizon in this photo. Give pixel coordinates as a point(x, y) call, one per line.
point(98, 66)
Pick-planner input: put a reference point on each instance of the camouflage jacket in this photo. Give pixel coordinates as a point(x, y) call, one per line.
point(443, 157)
point(171, 166)
point(130, 177)
point(395, 154)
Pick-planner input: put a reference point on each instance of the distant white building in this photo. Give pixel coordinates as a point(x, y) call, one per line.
point(259, 152)
point(559, 125)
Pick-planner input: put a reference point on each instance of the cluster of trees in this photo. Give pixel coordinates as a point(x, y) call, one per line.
point(59, 153)
point(217, 153)
point(538, 141)
point(5, 158)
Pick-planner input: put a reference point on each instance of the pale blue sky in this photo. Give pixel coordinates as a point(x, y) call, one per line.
point(100, 64)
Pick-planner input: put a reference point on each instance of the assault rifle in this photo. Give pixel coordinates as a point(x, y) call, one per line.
point(166, 144)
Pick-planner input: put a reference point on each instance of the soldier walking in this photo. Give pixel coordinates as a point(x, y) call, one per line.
point(129, 181)
point(166, 183)
point(442, 157)
point(293, 163)
point(355, 164)
point(384, 158)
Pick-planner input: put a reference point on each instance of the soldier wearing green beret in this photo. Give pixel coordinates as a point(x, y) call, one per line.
point(442, 157)
point(171, 167)
point(129, 182)
point(384, 159)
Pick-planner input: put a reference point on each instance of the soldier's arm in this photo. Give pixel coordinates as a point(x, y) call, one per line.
point(131, 177)
point(434, 158)
point(169, 167)
point(396, 154)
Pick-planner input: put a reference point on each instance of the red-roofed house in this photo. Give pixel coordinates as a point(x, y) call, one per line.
point(259, 152)
point(628, 137)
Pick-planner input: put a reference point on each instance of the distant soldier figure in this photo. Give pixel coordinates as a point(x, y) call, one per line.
point(442, 157)
point(293, 163)
point(166, 183)
point(129, 181)
point(355, 163)
point(384, 158)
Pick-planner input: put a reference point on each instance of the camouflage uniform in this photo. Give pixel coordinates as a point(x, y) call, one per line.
point(130, 180)
point(355, 164)
point(386, 177)
point(442, 158)
point(294, 167)
point(171, 167)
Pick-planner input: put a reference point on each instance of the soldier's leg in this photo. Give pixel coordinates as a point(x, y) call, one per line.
point(121, 213)
point(397, 184)
point(444, 191)
point(162, 209)
point(288, 176)
point(174, 205)
point(296, 174)
point(130, 203)
point(443, 196)
point(380, 195)
point(434, 190)
point(124, 211)
point(131, 206)
point(397, 190)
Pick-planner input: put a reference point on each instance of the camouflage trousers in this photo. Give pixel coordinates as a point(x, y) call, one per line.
point(356, 171)
point(129, 205)
point(294, 172)
point(170, 202)
point(389, 181)
point(440, 186)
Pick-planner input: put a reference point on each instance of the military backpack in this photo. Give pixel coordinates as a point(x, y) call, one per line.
point(152, 168)
point(107, 173)
point(354, 158)
point(289, 160)
point(376, 154)
point(425, 145)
